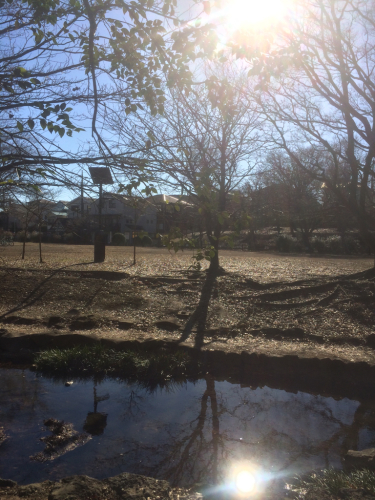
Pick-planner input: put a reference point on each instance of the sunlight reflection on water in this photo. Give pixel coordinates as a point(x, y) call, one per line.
point(188, 434)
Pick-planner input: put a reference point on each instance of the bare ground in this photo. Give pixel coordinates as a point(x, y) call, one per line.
point(264, 302)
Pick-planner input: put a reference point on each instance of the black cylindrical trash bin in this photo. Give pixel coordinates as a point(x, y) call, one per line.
point(99, 247)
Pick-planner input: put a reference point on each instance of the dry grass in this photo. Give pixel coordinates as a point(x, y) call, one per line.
point(160, 287)
point(261, 267)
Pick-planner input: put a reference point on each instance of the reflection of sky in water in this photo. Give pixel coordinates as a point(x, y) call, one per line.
point(180, 434)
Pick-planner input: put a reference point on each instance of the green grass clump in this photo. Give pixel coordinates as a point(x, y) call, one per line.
point(155, 367)
point(331, 481)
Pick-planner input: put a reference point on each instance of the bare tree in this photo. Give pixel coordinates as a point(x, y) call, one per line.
point(298, 195)
point(317, 90)
point(202, 149)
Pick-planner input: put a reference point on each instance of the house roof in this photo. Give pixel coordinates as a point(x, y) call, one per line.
point(78, 200)
point(167, 198)
point(59, 214)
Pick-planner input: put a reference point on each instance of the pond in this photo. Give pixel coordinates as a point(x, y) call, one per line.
point(186, 433)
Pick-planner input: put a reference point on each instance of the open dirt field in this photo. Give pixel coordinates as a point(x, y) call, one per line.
point(262, 267)
point(273, 302)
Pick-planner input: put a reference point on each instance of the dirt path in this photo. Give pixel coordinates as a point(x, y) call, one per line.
point(264, 303)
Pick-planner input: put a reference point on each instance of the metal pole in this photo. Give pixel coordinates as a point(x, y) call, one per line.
point(82, 205)
point(100, 204)
point(99, 245)
point(134, 253)
point(134, 235)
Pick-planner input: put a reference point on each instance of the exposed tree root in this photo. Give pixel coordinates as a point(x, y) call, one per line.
point(288, 305)
point(325, 301)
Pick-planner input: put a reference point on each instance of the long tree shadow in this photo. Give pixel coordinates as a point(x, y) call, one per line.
point(33, 296)
point(199, 316)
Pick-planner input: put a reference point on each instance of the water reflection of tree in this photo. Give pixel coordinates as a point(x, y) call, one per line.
point(20, 393)
point(201, 448)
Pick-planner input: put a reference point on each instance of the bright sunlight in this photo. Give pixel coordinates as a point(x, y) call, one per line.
point(245, 482)
point(242, 13)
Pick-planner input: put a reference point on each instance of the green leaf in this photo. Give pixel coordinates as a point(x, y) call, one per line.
point(151, 136)
point(21, 72)
point(20, 126)
point(31, 123)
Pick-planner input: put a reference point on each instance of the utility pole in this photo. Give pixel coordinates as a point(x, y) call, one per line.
point(100, 175)
point(82, 205)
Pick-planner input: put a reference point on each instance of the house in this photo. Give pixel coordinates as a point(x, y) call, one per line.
point(119, 213)
point(172, 211)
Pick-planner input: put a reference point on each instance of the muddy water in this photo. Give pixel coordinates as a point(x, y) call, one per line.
point(188, 433)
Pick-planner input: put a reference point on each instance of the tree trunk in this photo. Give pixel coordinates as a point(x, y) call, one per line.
point(24, 245)
point(24, 239)
point(40, 245)
point(214, 263)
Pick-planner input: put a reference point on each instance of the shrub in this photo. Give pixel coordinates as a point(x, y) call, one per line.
point(146, 241)
point(334, 245)
point(20, 235)
point(68, 237)
point(264, 242)
point(118, 240)
point(143, 241)
point(35, 237)
point(8, 235)
point(351, 245)
point(298, 246)
point(318, 245)
point(56, 238)
point(284, 244)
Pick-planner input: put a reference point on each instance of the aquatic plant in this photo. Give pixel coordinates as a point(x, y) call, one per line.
point(152, 368)
point(331, 481)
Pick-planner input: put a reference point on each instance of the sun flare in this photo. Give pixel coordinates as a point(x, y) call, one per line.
point(245, 482)
point(245, 478)
point(242, 13)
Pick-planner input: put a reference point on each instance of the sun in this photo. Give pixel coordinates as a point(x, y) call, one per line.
point(240, 14)
point(245, 482)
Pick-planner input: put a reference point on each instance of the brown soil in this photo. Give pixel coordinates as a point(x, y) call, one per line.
point(129, 486)
point(264, 302)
